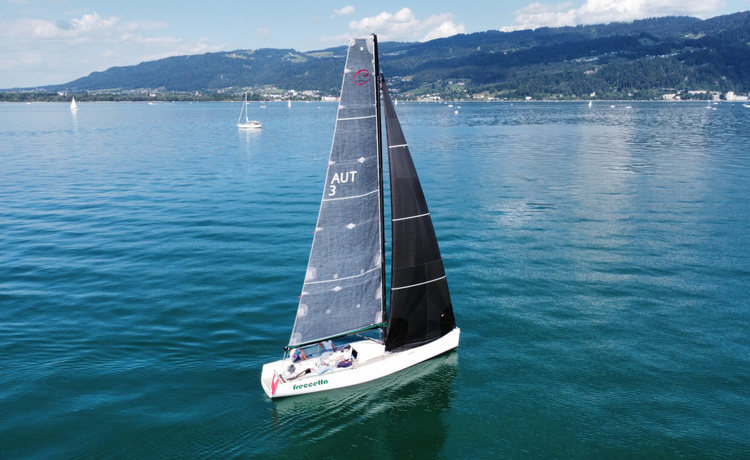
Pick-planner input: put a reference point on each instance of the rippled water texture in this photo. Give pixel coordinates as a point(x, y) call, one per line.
point(151, 257)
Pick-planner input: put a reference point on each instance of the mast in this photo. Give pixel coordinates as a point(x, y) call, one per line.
point(380, 167)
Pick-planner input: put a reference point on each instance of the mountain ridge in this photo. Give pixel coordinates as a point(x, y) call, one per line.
point(641, 59)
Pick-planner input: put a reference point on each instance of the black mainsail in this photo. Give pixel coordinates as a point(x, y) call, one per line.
point(343, 288)
point(420, 309)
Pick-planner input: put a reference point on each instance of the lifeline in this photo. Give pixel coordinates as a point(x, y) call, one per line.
point(312, 384)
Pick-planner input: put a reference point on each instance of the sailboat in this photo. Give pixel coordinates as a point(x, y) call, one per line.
point(73, 105)
point(247, 124)
point(343, 300)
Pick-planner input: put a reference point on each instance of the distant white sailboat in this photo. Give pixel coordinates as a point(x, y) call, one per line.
point(73, 105)
point(590, 103)
point(247, 124)
point(289, 103)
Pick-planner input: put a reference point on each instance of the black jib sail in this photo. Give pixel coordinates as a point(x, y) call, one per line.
point(420, 307)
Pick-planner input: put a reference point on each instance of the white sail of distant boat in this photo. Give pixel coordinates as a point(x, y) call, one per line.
point(247, 124)
point(73, 105)
point(289, 103)
point(590, 102)
point(344, 292)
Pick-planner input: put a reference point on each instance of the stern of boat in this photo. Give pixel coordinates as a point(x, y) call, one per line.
point(269, 379)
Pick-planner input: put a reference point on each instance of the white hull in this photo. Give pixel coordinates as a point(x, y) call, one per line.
point(372, 363)
point(250, 125)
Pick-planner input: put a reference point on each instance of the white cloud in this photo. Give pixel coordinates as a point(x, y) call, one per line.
point(93, 22)
point(404, 26)
point(537, 14)
point(35, 52)
point(445, 29)
point(31, 29)
point(345, 11)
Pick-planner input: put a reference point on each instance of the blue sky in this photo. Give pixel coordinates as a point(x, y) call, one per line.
point(46, 42)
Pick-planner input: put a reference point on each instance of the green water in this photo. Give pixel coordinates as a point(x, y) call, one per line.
point(151, 257)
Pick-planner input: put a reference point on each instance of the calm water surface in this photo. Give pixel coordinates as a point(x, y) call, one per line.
point(151, 257)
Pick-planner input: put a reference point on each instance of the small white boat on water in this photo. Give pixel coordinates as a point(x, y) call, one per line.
point(247, 124)
point(73, 105)
point(343, 334)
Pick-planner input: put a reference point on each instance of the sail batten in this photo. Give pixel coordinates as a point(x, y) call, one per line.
point(351, 197)
point(339, 279)
point(410, 217)
point(356, 118)
point(418, 284)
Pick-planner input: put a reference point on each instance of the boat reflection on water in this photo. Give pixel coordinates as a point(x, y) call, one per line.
point(385, 413)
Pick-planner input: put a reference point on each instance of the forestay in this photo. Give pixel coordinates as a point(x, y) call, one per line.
point(342, 292)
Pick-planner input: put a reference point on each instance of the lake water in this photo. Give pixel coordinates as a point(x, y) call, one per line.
point(151, 257)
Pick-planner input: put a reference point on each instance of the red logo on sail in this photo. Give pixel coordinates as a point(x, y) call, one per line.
point(361, 77)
